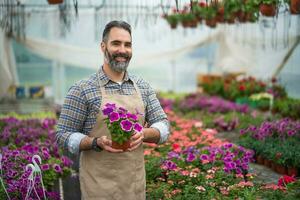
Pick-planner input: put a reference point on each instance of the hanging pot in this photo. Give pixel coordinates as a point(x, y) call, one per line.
point(211, 22)
point(55, 1)
point(295, 7)
point(268, 10)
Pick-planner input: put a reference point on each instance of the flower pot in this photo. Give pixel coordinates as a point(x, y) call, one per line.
point(193, 23)
point(292, 171)
point(123, 146)
point(173, 26)
point(268, 10)
point(185, 24)
point(211, 22)
point(295, 7)
point(55, 1)
point(280, 169)
point(267, 163)
point(260, 160)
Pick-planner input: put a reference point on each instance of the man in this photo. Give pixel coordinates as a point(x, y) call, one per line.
point(105, 172)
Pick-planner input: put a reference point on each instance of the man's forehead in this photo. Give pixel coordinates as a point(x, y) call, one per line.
point(119, 34)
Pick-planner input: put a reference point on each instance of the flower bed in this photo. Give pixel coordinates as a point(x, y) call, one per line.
point(210, 104)
point(194, 164)
point(278, 141)
point(20, 140)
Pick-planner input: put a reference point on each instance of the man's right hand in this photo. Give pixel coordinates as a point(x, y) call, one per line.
point(105, 144)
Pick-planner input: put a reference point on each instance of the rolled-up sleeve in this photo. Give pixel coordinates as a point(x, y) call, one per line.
point(70, 125)
point(156, 117)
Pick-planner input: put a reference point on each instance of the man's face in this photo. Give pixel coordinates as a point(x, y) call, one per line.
point(117, 50)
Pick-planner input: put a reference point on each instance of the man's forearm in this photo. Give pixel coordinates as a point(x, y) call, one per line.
point(86, 143)
point(151, 135)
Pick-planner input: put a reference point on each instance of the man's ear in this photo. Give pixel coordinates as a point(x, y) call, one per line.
point(103, 45)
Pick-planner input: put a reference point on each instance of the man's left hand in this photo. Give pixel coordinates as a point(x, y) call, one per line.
point(136, 140)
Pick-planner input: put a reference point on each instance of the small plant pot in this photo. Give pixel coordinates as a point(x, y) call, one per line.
point(173, 26)
point(268, 10)
point(260, 160)
point(295, 7)
point(292, 171)
point(193, 23)
point(267, 163)
point(123, 146)
point(281, 169)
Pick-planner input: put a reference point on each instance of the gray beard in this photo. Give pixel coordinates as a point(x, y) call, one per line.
point(115, 65)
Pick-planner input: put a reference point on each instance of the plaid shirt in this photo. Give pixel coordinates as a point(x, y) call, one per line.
point(83, 102)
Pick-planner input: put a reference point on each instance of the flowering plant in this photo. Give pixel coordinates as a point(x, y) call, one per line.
point(120, 122)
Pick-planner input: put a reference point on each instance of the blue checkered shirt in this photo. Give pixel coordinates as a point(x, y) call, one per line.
point(83, 102)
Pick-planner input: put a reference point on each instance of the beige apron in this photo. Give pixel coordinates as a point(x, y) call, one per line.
point(114, 176)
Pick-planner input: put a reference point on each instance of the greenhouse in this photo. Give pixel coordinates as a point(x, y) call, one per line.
point(149, 99)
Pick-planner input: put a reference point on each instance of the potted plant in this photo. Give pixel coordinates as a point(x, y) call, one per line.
point(251, 10)
point(209, 14)
point(173, 20)
point(294, 6)
point(122, 125)
point(268, 8)
point(55, 1)
point(188, 20)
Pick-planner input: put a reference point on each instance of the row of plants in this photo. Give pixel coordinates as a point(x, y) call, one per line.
point(256, 94)
point(195, 164)
point(227, 11)
point(276, 141)
point(22, 140)
point(215, 112)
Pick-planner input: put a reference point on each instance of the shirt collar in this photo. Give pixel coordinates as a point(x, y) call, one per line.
point(104, 79)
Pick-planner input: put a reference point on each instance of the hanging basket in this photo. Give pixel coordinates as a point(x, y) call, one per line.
point(295, 7)
point(55, 1)
point(268, 10)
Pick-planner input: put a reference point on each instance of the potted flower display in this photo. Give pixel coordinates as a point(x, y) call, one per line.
point(122, 125)
point(268, 8)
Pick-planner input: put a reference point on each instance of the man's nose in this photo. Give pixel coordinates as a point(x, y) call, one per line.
point(122, 49)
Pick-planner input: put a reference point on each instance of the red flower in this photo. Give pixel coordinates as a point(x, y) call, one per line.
point(284, 180)
point(202, 4)
point(274, 79)
point(176, 147)
point(242, 88)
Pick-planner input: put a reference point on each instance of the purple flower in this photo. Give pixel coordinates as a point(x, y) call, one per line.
point(132, 116)
point(110, 105)
point(126, 125)
point(173, 154)
point(122, 110)
point(57, 168)
point(204, 157)
point(46, 155)
point(137, 127)
point(107, 111)
point(45, 167)
point(66, 161)
point(190, 157)
point(169, 165)
point(114, 116)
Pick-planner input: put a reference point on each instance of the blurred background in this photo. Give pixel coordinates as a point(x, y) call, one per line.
point(46, 46)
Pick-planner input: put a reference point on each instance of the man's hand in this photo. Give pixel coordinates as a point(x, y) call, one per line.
point(105, 144)
point(136, 140)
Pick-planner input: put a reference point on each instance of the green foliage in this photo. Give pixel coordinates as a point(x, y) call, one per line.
point(287, 107)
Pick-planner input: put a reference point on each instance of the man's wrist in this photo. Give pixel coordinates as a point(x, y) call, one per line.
point(95, 145)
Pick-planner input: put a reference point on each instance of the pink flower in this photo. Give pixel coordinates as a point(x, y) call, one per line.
point(126, 125)
point(113, 117)
point(200, 188)
point(137, 127)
